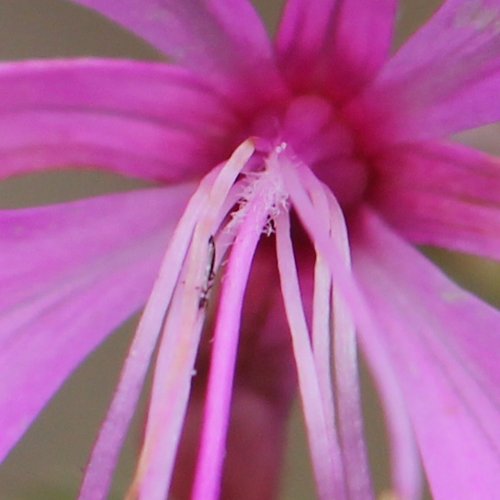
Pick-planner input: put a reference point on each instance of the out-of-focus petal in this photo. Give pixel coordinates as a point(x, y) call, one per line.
point(224, 40)
point(444, 195)
point(40, 246)
point(444, 343)
point(145, 120)
point(88, 266)
point(446, 77)
point(338, 40)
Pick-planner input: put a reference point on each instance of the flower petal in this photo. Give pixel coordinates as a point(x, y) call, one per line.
point(443, 342)
point(446, 77)
point(145, 120)
point(90, 264)
point(224, 40)
point(41, 246)
point(341, 39)
point(444, 195)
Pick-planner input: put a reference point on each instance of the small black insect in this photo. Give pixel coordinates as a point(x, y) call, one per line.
point(209, 275)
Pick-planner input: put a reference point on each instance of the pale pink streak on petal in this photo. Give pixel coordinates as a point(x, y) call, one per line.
point(104, 456)
point(339, 39)
point(405, 463)
point(445, 352)
point(179, 343)
point(323, 443)
point(223, 40)
point(155, 125)
point(217, 410)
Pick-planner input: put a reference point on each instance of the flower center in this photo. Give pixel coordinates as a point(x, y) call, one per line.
point(312, 129)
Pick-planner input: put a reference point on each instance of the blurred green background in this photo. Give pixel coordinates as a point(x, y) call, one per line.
point(49, 461)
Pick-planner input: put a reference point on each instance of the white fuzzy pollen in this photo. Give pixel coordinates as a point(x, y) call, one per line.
point(267, 180)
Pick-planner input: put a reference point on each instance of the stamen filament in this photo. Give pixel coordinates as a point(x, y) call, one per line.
point(179, 345)
point(322, 438)
point(217, 409)
point(99, 472)
point(367, 330)
point(344, 353)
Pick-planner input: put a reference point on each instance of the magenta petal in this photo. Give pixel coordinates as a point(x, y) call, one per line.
point(446, 77)
point(222, 39)
point(444, 195)
point(90, 265)
point(444, 343)
point(145, 120)
point(44, 246)
point(341, 39)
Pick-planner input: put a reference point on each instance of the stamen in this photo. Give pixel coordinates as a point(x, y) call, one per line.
point(321, 339)
point(367, 328)
point(326, 456)
point(104, 457)
point(217, 410)
point(345, 358)
point(180, 340)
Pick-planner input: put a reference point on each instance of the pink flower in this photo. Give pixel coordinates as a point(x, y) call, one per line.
point(318, 144)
